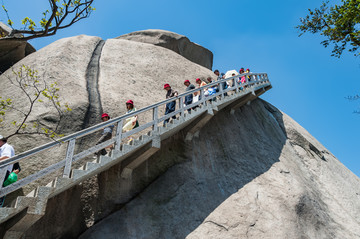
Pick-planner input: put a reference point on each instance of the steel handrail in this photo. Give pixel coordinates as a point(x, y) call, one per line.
point(102, 125)
point(71, 139)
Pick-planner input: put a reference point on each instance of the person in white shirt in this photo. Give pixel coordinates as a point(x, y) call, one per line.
point(7, 151)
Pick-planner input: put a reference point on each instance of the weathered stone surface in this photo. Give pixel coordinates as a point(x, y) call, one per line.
point(126, 70)
point(175, 42)
point(12, 51)
point(67, 67)
point(138, 71)
point(254, 174)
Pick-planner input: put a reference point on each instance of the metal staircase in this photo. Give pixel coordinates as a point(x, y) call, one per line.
point(30, 208)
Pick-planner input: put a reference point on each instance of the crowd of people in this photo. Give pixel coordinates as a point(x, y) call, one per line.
point(170, 107)
point(7, 151)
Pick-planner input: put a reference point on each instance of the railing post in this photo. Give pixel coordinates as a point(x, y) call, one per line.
point(118, 136)
point(181, 102)
point(3, 171)
point(155, 118)
point(221, 90)
point(69, 157)
point(236, 85)
point(202, 96)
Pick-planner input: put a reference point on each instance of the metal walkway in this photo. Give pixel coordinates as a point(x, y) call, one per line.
point(30, 208)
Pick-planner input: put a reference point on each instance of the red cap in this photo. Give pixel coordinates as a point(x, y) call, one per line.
point(186, 81)
point(105, 115)
point(130, 102)
point(198, 79)
point(247, 69)
point(166, 86)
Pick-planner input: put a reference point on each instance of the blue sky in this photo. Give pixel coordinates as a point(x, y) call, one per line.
point(308, 84)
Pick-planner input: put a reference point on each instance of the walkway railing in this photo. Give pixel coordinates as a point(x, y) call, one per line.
point(153, 123)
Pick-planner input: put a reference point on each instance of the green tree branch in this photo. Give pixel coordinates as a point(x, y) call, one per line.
point(64, 13)
point(339, 24)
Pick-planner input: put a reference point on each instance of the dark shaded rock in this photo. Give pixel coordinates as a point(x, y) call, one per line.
point(12, 51)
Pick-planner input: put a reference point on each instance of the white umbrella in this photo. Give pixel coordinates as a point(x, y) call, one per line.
point(230, 73)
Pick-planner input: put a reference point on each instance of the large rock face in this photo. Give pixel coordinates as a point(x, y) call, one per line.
point(94, 76)
point(175, 42)
point(254, 174)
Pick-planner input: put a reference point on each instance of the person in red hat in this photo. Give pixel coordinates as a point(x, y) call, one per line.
point(201, 84)
point(188, 98)
point(248, 71)
point(170, 107)
point(106, 135)
point(130, 108)
point(132, 122)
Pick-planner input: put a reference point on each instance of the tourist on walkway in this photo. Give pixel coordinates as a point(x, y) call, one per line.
point(200, 84)
point(212, 90)
point(106, 135)
point(132, 122)
point(243, 78)
point(6, 152)
point(217, 73)
point(170, 107)
point(248, 77)
point(224, 84)
point(130, 108)
point(189, 98)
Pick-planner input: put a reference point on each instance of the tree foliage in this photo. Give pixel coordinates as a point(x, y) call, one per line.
point(340, 24)
point(36, 91)
point(62, 14)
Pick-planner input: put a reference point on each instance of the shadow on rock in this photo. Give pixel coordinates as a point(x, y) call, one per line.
point(230, 152)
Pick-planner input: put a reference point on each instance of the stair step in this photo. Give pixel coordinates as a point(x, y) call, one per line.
point(78, 173)
point(90, 166)
point(32, 193)
point(126, 148)
point(51, 184)
point(44, 191)
point(61, 182)
point(105, 160)
point(145, 137)
point(23, 201)
point(5, 212)
point(137, 142)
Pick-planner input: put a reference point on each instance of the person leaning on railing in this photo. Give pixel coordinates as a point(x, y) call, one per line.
point(7, 151)
point(170, 107)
